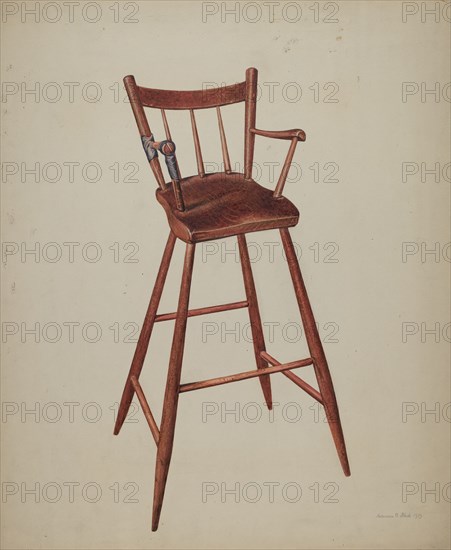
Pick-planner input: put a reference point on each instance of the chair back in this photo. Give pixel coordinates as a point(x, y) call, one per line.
point(192, 100)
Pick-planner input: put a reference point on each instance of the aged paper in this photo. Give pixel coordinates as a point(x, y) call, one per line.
point(82, 237)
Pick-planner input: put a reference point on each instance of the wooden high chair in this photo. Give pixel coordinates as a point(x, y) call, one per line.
point(213, 206)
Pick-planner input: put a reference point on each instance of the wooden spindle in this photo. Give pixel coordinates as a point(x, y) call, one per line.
point(203, 311)
point(244, 375)
point(294, 378)
point(200, 162)
point(168, 136)
point(166, 125)
point(225, 151)
point(249, 120)
point(286, 167)
point(146, 409)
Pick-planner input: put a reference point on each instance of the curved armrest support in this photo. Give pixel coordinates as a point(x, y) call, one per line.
point(281, 134)
point(294, 136)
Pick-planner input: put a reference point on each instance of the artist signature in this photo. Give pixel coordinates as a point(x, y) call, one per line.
point(400, 516)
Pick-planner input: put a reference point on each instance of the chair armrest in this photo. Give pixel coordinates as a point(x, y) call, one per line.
point(281, 134)
point(294, 136)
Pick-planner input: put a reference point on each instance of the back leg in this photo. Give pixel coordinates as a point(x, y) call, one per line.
point(254, 315)
point(324, 379)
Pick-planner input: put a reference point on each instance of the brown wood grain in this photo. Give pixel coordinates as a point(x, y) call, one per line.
point(245, 375)
point(171, 396)
point(142, 123)
point(281, 134)
point(258, 339)
point(223, 205)
point(214, 206)
point(197, 149)
point(225, 150)
point(146, 331)
point(203, 311)
point(146, 409)
point(192, 99)
point(250, 114)
point(316, 351)
point(298, 381)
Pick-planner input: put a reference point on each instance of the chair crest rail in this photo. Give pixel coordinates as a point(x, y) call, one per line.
point(192, 99)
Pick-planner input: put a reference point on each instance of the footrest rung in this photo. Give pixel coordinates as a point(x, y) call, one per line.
point(202, 311)
point(146, 409)
point(244, 375)
point(294, 378)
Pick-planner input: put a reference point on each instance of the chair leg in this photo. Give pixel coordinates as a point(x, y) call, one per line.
point(146, 331)
point(254, 315)
point(171, 396)
point(316, 352)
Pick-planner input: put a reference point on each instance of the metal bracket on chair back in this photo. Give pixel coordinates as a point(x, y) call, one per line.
point(167, 148)
point(148, 143)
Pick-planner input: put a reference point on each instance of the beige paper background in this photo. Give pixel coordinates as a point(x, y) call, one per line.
point(361, 301)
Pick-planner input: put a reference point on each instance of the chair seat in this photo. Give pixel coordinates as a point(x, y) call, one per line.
point(221, 205)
